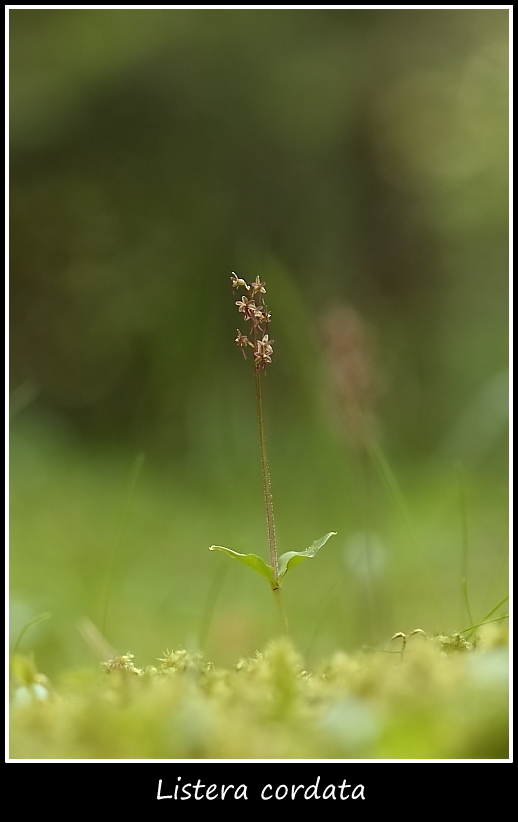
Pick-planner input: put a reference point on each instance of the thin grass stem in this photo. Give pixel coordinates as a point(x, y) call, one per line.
point(26, 627)
point(210, 603)
point(485, 622)
point(464, 521)
point(492, 611)
point(135, 472)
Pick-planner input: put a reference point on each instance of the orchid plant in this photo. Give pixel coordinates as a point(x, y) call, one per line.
point(255, 312)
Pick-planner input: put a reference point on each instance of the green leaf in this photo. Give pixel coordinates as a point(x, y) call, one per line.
point(252, 560)
point(292, 558)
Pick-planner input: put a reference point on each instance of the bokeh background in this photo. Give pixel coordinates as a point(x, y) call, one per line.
point(356, 160)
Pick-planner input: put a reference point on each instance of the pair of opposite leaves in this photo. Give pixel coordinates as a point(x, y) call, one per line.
point(286, 561)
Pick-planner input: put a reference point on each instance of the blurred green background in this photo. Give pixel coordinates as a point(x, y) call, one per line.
point(356, 160)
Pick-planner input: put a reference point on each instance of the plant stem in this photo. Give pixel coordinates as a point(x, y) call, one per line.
point(369, 576)
point(135, 471)
point(492, 611)
point(26, 627)
point(464, 520)
point(210, 603)
point(266, 478)
point(282, 613)
point(486, 622)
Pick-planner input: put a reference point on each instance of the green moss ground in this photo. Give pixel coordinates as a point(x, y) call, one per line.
point(445, 698)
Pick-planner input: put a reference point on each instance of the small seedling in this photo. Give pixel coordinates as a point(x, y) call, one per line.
point(256, 314)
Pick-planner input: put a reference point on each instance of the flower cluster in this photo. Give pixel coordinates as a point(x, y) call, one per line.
point(253, 308)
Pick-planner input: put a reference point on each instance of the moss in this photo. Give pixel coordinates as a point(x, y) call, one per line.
point(429, 703)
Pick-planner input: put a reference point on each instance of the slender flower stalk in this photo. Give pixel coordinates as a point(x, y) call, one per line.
point(268, 500)
point(256, 313)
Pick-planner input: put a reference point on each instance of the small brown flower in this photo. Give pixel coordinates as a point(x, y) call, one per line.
point(237, 282)
point(243, 341)
point(247, 307)
point(263, 352)
point(262, 316)
point(258, 287)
